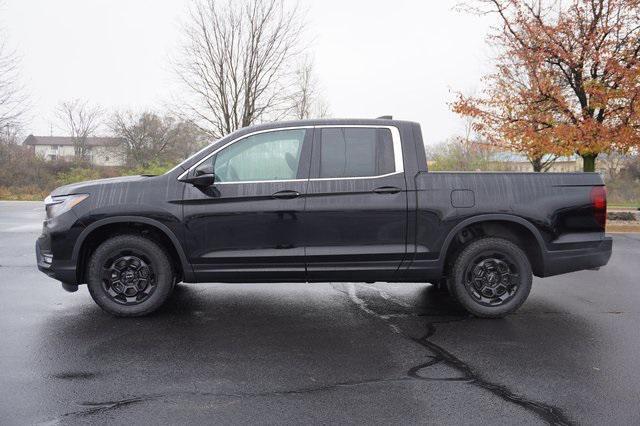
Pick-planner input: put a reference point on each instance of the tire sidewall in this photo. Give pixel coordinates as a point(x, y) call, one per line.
point(159, 262)
point(459, 290)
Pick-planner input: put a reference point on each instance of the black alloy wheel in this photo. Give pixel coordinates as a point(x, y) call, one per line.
point(129, 278)
point(491, 277)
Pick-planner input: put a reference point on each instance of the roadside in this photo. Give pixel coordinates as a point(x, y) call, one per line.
point(623, 219)
point(29, 177)
point(623, 227)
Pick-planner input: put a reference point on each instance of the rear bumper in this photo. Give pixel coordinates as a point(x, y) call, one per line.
point(588, 255)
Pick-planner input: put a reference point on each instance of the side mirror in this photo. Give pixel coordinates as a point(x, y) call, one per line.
point(202, 181)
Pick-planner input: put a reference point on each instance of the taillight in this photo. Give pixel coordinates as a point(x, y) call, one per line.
point(599, 204)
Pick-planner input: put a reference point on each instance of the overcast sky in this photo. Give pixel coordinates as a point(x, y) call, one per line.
point(404, 58)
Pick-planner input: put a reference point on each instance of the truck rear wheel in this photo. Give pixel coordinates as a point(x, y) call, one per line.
point(491, 277)
point(130, 275)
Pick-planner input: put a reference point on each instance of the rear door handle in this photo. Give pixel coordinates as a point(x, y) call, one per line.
point(387, 190)
point(286, 195)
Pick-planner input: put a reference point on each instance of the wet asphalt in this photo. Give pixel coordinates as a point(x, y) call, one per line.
point(317, 354)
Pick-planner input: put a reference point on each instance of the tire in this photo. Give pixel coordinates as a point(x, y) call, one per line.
point(491, 277)
point(130, 276)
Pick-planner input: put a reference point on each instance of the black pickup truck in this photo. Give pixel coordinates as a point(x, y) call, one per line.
point(322, 200)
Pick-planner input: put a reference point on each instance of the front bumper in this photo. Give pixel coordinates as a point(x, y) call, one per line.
point(61, 270)
point(44, 258)
point(589, 255)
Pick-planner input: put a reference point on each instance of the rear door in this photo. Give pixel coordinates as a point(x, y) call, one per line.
point(356, 208)
point(247, 226)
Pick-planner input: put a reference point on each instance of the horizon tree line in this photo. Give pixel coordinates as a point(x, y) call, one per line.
point(566, 81)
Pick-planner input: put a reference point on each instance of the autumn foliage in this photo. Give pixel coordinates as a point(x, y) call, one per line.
point(567, 78)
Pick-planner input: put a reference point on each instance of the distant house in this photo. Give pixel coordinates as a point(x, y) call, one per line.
point(519, 163)
point(102, 151)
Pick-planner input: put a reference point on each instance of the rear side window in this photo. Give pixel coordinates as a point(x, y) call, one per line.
point(355, 152)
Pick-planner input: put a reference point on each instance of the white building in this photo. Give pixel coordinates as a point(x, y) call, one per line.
point(102, 151)
point(519, 163)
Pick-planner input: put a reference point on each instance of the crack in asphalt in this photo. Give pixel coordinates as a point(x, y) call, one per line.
point(551, 414)
point(100, 407)
point(333, 386)
point(74, 375)
point(311, 389)
point(439, 355)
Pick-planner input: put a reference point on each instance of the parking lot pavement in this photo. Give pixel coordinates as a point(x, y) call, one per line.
point(322, 353)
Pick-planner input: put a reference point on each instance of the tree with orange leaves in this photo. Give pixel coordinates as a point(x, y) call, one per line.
point(567, 78)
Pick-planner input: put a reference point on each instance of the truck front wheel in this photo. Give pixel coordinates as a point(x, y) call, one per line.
point(491, 277)
point(130, 275)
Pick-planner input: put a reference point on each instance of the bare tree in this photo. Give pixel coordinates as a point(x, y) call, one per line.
point(148, 138)
point(236, 61)
point(10, 133)
point(13, 100)
point(614, 163)
point(188, 139)
point(462, 154)
point(306, 101)
point(80, 120)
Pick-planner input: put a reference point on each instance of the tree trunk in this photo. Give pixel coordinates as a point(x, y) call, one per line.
point(536, 163)
point(589, 162)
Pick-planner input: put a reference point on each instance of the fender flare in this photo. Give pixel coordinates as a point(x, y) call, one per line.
point(186, 266)
point(491, 218)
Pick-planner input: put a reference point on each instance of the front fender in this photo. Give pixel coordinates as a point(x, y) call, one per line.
point(186, 266)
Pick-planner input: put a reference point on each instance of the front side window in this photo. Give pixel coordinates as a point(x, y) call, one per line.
point(355, 152)
point(265, 156)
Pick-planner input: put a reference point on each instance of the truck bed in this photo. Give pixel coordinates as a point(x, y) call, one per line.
point(556, 208)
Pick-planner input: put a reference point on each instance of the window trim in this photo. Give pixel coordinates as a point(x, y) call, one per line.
point(395, 138)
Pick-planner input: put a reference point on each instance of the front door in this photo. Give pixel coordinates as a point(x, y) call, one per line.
point(247, 226)
point(356, 211)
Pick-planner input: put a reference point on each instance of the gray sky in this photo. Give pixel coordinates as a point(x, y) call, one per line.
point(372, 57)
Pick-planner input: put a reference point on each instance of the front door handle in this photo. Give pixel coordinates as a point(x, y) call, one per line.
point(387, 190)
point(286, 195)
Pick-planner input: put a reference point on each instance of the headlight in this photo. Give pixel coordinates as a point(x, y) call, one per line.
point(59, 204)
